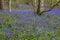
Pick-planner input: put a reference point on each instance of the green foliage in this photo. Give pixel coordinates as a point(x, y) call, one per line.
point(23, 33)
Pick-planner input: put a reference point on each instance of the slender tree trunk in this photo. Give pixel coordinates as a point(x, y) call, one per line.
point(38, 9)
point(35, 5)
point(1, 4)
point(42, 5)
point(9, 5)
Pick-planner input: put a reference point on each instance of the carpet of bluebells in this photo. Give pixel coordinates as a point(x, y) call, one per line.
point(25, 25)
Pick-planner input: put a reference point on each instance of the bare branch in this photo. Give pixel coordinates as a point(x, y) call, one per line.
point(49, 9)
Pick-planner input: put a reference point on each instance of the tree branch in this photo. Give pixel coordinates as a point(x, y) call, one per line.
point(49, 9)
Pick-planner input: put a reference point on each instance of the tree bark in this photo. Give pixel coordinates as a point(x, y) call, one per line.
point(1, 4)
point(42, 5)
point(9, 5)
point(40, 13)
point(38, 7)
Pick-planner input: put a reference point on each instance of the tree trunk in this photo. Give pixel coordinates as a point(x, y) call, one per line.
point(38, 9)
point(9, 5)
point(50, 8)
point(42, 5)
point(35, 5)
point(1, 4)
